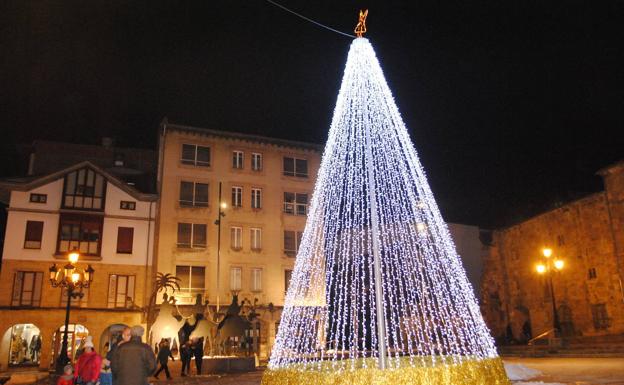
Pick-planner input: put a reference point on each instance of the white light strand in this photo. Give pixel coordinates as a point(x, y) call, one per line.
point(330, 314)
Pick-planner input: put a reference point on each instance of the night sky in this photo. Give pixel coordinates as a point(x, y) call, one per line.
point(512, 105)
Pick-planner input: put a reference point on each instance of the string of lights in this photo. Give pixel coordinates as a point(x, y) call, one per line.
point(377, 283)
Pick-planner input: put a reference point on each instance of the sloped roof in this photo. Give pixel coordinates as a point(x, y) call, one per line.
point(29, 183)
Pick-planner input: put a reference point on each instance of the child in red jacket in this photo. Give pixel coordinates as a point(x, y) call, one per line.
point(68, 376)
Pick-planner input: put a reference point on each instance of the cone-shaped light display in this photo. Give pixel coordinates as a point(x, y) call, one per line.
point(378, 294)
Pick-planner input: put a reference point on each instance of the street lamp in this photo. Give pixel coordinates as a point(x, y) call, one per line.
point(73, 280)
point(222, 206)
point(549, 266)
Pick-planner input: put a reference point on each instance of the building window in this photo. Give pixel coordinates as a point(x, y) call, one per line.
point(125, 238)
point(236, 238)
point(592, 273)
point(600, 316)
point(256, 161)
point(27, 288)
point(295, 167)
point(82, 232)
point(292, 241)
point(256, 279)
point(256, 198)
point(287, 277)
point(195, 155)
point(235, 278)
point(256, 238)
point(75, 302)
point(127, 205)
point(84, 189)
point(193, 194)
point(192, 280)
point(120, 291)
point(18, 354)
point(38, 198)
point(34, 233)
point(237, 159)
point(295, 203)
point(192, 235)
point(237, 196)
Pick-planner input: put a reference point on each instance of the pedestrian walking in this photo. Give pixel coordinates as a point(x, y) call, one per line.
point(198, 352)
point(163, 358)
point(133, 361)
point(185, 357)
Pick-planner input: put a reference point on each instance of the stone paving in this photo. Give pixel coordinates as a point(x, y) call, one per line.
point(252, 378)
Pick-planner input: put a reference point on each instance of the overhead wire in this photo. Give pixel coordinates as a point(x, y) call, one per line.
point(310, 20)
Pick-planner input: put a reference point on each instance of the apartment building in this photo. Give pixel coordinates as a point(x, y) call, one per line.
point(266, 186)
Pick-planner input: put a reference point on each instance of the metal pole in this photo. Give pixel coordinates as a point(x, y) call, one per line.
point(372, 197)
point(556, 324)
point(219, 248)
point(63, 359)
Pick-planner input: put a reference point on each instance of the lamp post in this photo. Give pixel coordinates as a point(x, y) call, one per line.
point(549, 265)
point(222, 206)
point(73, 280)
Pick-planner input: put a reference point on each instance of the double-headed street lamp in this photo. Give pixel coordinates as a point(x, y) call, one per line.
point(73, 280)
point(550, 265)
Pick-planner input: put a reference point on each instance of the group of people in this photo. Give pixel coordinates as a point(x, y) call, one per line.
point(129, 361)
point(188, 350)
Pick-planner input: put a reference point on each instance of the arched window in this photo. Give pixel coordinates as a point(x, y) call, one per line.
point(25, 345)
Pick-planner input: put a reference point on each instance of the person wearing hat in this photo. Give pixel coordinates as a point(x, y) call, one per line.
point(88, 365)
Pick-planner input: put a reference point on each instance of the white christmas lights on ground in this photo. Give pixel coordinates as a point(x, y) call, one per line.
point(378, 291)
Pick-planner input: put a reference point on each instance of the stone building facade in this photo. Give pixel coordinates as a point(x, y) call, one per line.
point(588, 235)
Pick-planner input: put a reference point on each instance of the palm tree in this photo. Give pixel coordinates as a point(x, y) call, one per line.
point(164, 282)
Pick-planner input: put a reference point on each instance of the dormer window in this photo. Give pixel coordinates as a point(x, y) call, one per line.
point(84, 189)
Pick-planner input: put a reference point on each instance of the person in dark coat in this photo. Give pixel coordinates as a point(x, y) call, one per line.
point(198, 352)
point(133, 361)
point(185, 357)
point(163, 358)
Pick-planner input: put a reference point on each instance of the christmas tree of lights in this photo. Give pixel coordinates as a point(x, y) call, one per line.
point(378, 294)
